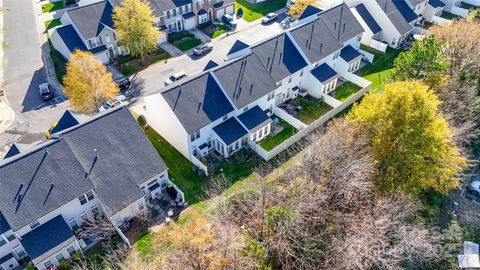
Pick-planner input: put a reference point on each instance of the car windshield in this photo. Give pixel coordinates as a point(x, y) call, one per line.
point(172, 78)
point(270, 16)
point(43, 89)
point(230, 19)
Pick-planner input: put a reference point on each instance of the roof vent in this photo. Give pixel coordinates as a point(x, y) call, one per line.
point(20, 196)
point(321, 47)
point(46, 151)
point(335, 26)
point(344, 25)
point(95, 151)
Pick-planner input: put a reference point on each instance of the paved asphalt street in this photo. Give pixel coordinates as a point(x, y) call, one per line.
point(24, 71)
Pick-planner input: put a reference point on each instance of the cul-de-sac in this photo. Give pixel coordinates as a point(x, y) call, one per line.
point(239, 134)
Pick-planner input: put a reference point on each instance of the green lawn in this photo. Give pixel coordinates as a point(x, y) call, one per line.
point(52, 23)
point(144, 245)
point(311, 110)
point(238, 170)
point(380, 69)
point(344, 91)
point(252, 12)
point(449, 16)
point(49, 7)
point(59, 63)
point(184, 40)
point(220, 30)
point(188, 43)
point(180, 169)
point(272, 141)
point(129, 65)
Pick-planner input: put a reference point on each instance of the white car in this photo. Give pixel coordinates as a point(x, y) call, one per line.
point(270, 17)
point(120, 99)
point(474, 187)
point(175, 77)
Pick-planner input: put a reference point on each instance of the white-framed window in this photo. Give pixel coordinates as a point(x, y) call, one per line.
point(82, 199)
point(34, 224)
point(71, 250)
point(90, 195)
point(19, 252)
point(290, 79)
point(73, 224)
point(60, 257)
point(83, 216)
point(95, 210)
point(195, 135)
point(359, 37)
point(10, 236)
point(48, 264)
point(195, 151)
point(3, 241)
point(335, 56)
point(270, 96)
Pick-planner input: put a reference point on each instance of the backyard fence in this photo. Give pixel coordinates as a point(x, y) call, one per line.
point(288, 118)
point(367, 55)
point(441, 21)
point(199, 164)
point(459, 11)
point(377, 45)
point(267, 155)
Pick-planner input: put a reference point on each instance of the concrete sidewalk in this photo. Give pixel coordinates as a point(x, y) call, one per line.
point(7, 115)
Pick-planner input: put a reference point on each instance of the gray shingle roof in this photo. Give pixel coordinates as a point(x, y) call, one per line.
point(315, 40)
point(91, 19)
point(342, 23)
point(367, 17)
point(159, 7)
point(395, 12)
point(126, 158)
point(198, 102)
point(55, 172)
point(45, 237)
point(416, 2)
point(230, 131)
point(254, 118)
point(280, 57)
point(38, 182)
point(245, 80)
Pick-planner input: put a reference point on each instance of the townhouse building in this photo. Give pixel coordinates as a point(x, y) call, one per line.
point(227, 107)
point(88, 28)
point(104, 166)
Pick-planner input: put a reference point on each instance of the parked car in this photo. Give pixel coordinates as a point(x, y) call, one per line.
point(229, 21)
point(175, 77)
point(270, 17)
point(120, 99)
point(474, 188)
point(202, 49)
point(122, 82)
point(46, 91)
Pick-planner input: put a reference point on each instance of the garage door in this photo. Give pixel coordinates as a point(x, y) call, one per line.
point(230, 10)
point(220, 13)
point(162, 38)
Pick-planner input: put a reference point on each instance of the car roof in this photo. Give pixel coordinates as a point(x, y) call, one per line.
point(179, 73)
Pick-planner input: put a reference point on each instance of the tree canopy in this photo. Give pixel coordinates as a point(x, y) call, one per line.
point(134, 23)
point(424, 61)
point(300, 5)
point(88, 83)
point(409, 138)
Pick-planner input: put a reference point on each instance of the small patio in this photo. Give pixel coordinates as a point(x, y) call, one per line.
point(164, 208)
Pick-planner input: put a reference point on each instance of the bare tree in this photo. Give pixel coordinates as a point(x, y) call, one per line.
point(98, 228)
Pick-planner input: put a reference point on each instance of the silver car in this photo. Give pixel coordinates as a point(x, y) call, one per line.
point(474, 188)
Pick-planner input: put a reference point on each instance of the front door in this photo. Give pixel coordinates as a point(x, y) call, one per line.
point(111, 52)
point(179, 26)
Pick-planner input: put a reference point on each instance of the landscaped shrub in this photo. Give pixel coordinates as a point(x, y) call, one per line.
point(142, 121)
point(239, 12)
point(179, 35)
point(64, 265)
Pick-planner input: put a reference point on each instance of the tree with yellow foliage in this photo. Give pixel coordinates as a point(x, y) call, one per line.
point(133, 22)
point(300, 5)
point(88, 83)
point(409, 138)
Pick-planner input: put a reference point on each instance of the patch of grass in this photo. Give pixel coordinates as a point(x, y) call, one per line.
point(221, 28)
point(311, 110)
point(380, 69)
point(184, 40)
point(179, 168)
point(129, 65)
point(344, 91)
point(273, 140)
point(449, 16)
point(52, 6)
point(59, 63)
point(467, 6)
point(188, 43)
point(144, 245)
point(252, 12)
point(238, 170)
point(52, 23)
